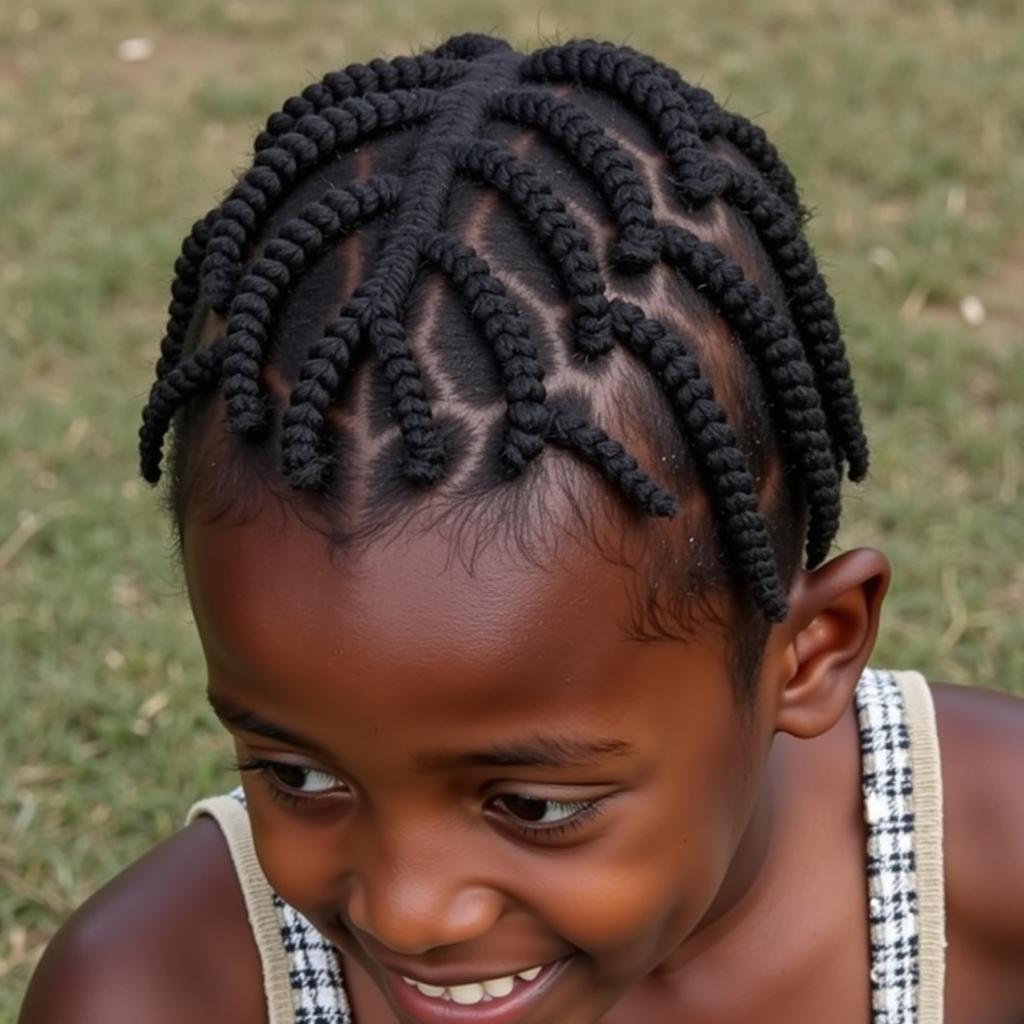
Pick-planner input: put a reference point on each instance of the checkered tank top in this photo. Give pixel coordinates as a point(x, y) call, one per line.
point(302, 976)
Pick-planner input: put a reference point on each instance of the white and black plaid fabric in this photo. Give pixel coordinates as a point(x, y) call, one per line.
point(313, 966)
point(315, 971)
point(318, 988)
point(888, 781)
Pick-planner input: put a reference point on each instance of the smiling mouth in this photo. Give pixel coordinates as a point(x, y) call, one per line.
point(473, 992)
point(500, 1000)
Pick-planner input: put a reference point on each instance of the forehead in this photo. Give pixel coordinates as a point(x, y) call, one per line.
point(409, 625)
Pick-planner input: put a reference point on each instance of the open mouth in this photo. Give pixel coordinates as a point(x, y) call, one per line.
point(502, 1000)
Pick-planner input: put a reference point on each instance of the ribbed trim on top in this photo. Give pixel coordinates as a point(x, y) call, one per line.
point(928, 812)
point(233, 820)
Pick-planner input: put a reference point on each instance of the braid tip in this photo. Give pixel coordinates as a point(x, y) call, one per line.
point(309, 474)
point(518, 451)
point(149, 469)
point(859, 466)
point(774, 607)
point(249, 418)
point(426, 465)
point(636, 252)
point(593, 336)
point(663, 504)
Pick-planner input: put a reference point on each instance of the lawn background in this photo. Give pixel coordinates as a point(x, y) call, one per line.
point(903, 121)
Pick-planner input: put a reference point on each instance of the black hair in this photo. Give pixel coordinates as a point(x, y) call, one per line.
point(645, 223)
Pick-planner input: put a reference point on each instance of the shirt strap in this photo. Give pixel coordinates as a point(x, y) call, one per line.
point(233, 819)
point(928, 824)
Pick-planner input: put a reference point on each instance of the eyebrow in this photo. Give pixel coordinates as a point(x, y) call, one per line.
point(248, 721)
point(541, 751)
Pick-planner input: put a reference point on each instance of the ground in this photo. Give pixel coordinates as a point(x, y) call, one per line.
point(902, 122)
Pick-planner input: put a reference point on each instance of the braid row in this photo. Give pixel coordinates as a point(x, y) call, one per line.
point(698, 175)
point(305, 459)
point(572, 431)
point(779, 357)
point(599, 156)
point(567, 247)
point(184, 292)
point(775, 212)
point(812, 310)
point(313, 139)
point(286, 256)
point(713, 442)
point(179, 385)
point(424, 453)
point(382, 298)
point(748, 138)
point(379, 76)
point(375, 311)
point(505, 329)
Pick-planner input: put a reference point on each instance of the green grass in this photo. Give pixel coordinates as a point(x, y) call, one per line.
point(903, 123)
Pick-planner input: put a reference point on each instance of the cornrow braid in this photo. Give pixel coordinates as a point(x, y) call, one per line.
point(675, 110)
point(313, 139)
point(532, 197)
point(192, 377)
point(379, 76)
point(714, 444)
point(812, 310)
point(698, 175)
point(749, 139)
point(425, 455)
point(572, 431)
point(638, 246)
point(305, 460)
point(285, 257)
point(184, 292)
point(437, 110)
point(505, 328)
point(787, 376)
point(384, 295)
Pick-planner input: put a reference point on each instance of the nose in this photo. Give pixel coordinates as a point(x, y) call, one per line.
point(419, 897)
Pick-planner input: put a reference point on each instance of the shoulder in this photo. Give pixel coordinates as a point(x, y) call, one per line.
point(981, 742)
point(166, 942)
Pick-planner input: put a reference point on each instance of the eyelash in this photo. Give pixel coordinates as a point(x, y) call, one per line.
point(278, 791)
point(591, 809)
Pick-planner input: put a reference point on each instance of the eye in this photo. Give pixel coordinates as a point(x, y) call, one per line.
point(537, 811)
point(301, 780)
point(293, 782)
point(538, 814)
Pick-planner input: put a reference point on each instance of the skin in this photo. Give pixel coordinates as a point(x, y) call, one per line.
point(725, 848)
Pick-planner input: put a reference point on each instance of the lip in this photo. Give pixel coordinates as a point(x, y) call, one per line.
point(508, 1009)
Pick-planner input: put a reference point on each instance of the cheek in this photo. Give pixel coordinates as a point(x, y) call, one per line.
point(296, 854)
point(648, 883)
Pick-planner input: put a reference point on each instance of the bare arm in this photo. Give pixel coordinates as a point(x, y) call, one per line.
point(981, 737)
point(166, 942)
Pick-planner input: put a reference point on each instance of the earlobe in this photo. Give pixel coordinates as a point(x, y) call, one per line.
point(832, 626)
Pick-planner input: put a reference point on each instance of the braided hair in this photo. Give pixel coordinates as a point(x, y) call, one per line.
point(571, 236)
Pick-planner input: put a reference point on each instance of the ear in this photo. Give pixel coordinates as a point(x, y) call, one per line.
point(826, 640)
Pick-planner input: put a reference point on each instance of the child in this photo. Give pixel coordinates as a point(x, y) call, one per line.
point(510, 412)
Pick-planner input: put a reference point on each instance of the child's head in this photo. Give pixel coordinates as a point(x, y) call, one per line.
point(508, 400)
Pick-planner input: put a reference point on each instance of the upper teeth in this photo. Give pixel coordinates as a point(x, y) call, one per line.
point(475, 991)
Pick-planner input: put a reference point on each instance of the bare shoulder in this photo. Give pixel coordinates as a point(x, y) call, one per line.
point(981, 739)
point(166, 942)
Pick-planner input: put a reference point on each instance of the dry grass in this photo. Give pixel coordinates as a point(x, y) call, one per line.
point(903, 123)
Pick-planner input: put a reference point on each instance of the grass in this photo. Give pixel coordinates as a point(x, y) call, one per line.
point(902, 122)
